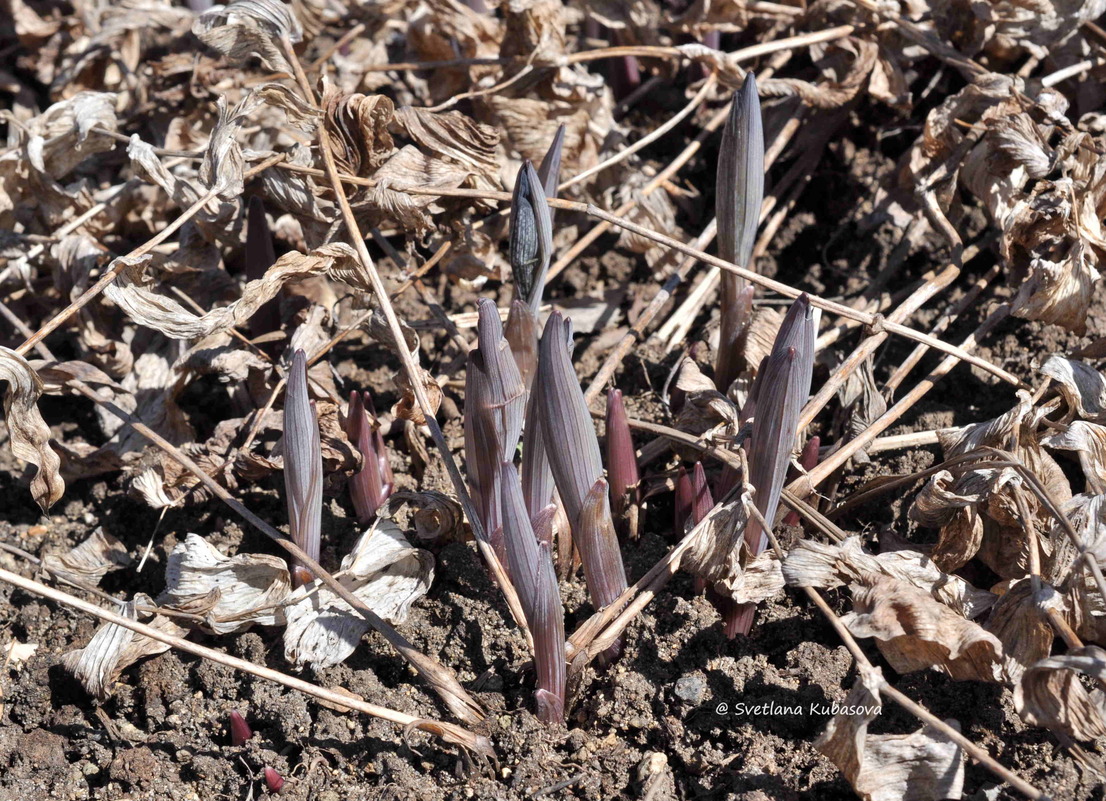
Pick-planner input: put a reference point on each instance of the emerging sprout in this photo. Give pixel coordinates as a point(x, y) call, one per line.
point(374, 482)
point(573, 451)
point(531, 238)
point(739, 195)
point(531, 566)
point(781, 388)
point(494, 404)
point(240, 731)
point(273, 780)
point(622, 465)
point(260, 256)
point(303, 467)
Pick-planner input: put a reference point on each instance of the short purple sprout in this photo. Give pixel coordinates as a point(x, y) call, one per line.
point(622, 465)
point(374, 482)
point(240, 731)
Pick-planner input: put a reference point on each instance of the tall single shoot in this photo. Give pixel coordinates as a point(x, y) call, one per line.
point(303, 467)
point(782, 387)
point(739, 193)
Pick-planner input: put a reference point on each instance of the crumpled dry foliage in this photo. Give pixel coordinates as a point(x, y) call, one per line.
point(719, 557)
point(90, 561)
point(1051, 695)
point(114, 648)
point(27, 431)
point(889, 767)
point(233, 593)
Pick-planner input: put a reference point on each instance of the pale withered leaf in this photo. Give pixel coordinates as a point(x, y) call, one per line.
point(914, 632)
point(358, 128)
point(383, 570)
point(133, 293)
point(27, 431)
point(1088, 440)
point(890, 767)
point(1083, 387)
point(114, 648)
point(1050, 694)
point(950, 503)
point(247, 28)
point(824, 565)
point(1025, 633)
point(88, 562)
point(453, 136)
point(236, 591)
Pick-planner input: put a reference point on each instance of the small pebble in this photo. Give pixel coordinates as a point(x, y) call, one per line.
point(691, 689)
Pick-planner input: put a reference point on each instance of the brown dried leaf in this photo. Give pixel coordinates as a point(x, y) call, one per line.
point(1082, 386)
point(951, 503)
point(815, 564)
point(132, 292)
point(114, 648)
point(890, 767)
point(1022, 628)
point(27, 431)
point(454, 137)
point(358, 128)
point(247, 28)
point(913, 631)
point(1051, 695)
point(383, 570)
point(88, 562)
point(718, 555)
point(408, 167)
point(236, 591)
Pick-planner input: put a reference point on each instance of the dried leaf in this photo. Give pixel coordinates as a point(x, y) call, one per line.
point(88, 562)
point(235, 591)
point(913, 631)
point(358, 128)
point(132, 292)
point(1051, 695)
point(383, 570)
point(247, 28)
point(1082, 386)
point(113, 649)
point(815, 564)
point(27, 431)
point(890, 767)
point(452, 136)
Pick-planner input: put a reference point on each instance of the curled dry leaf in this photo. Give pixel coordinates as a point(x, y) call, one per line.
point(816, 564)
point(453, 136)
point(719, 556)
point(913, 631)
point(247, 28)
point(88, 562)
point(358, 128)
point(408, 166)
point(114, 648)
point(890, 767)
point(27, 431)
point(861, 405)
point(383, 570)
point(950, 504)
point(1088, 440)
point(1017, 620)
point(132, 292)
point(437, 517)
point(1043, 198)
point(1050, 694)
point(1082, 386)
point(233, 592)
